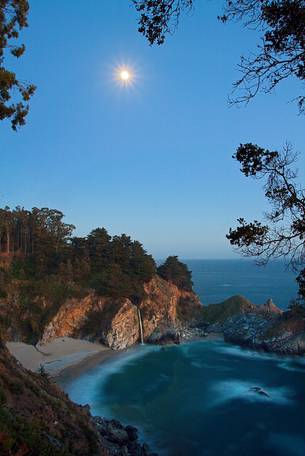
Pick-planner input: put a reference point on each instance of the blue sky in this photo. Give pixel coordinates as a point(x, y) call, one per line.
point(153, 161)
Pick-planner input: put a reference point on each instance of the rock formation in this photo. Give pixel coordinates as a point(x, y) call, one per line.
point(262, 327)
point(280, 333)
point(116, 322)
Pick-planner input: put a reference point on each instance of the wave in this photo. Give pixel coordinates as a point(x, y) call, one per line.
point(245, 353)
point(288, 363)
point(228, 390)
point(292, 365)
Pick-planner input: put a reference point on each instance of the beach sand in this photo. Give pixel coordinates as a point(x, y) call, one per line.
point(58, 355)
point(65, 357)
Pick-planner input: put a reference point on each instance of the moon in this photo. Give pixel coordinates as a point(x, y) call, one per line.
point(125, 76)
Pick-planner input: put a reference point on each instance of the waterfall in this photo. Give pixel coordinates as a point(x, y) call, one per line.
point(140, 325)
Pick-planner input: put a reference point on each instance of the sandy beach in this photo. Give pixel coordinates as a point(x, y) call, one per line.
point(58, 355)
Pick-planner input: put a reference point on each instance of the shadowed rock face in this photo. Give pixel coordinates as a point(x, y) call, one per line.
point(116, 322)
point(282, 334)
point(264, 327)
point(113, 322)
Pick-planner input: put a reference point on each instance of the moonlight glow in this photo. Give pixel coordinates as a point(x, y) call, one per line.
point(125, 76)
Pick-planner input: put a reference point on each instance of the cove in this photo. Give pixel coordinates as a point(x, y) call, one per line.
point(198, 398)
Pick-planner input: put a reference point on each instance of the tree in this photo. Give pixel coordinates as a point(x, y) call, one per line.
point(284, 233)
point(14, 94)
point(281, 53)
point(126, 269)
point(176, 272)
point(98, 244)
point(159, 17)
point(40, 236)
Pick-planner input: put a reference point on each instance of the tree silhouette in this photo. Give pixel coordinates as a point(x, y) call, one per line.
point(280, 54)
point(284, 233)
point(14, 94)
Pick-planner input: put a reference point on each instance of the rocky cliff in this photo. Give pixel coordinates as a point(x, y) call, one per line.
point(115, 322)
point(277, 332)
point(262, 327)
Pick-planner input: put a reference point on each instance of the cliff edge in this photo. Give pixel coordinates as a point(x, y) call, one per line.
point(115, 322)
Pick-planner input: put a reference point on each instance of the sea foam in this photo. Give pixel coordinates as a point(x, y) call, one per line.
point(233, 389)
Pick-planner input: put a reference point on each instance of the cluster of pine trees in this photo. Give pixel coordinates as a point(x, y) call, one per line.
point(38, 246)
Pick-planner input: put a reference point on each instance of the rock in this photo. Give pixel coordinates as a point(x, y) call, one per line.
point(117, 435)
point(164, 337)
point(115, 323)
point(214, 328)
point(259, 390)
point(121, 440)
point(270, 308)
point(273, 331)
point(135, 449)
point(245, 329)
point(132, 432)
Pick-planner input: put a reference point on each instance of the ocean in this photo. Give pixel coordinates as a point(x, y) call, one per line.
point(217, 280)
point(197, 399)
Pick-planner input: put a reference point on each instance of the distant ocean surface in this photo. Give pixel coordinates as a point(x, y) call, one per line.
point(217, 280)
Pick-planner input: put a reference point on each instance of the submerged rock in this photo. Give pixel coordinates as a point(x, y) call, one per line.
point(259, 390)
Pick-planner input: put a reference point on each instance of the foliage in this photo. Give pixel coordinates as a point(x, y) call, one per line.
point(296, 309)
point(219, 313)
point(280, 55)
point(20, 437)
point(39, 249)
point(14, 94)
point(176, 272)
point(119, 266)
point(284, 233)
point(159, 17)
point(39, 235)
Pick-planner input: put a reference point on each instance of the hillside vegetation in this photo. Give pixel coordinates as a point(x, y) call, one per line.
point(42, 265)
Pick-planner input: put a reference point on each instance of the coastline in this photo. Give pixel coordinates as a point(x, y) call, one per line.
point(59, 355)
point(75, 370)
point(65, 358)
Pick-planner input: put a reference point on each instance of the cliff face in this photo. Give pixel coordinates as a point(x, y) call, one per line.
point(263, 327)
point(113, 322)
point(116, 323)
point(275, 332)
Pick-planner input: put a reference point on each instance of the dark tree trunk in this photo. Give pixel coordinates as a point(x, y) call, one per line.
point(7, 240)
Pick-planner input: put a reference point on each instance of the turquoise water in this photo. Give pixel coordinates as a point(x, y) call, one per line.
point(217, 280)
point(196, 399)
